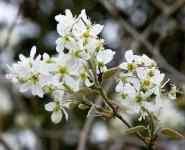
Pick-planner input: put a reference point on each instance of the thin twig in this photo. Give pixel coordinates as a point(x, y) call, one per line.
point(165, 13)
point(12, 27)
point(155, 52)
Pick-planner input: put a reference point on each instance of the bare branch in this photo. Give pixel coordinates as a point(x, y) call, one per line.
point(155, 52)
point(12, 27)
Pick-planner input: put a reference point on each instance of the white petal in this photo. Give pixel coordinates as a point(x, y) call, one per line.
point(60, 29)
point(56, 117)
point(37, 90)
point(158, 77)
point(58, 94)
point(60, 48)
point(149, 106)
point(65, 113)
point(96, 29)
point(74, 84)
point(105, 56)
point(119, 87)
point(84, 17)
point(133, 109)
point(149, 92)
point(135, 82)
point(22, 58)
point(36, 64)
point(129, 55)
point(129, 89)
point(50, 106)
point(25, 86)
point(141, 73)
point(123, 66)
point(68, 13)
point(45, 56)
point(33, 52)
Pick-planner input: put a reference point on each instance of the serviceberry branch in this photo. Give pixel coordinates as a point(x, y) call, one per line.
point(79, 70)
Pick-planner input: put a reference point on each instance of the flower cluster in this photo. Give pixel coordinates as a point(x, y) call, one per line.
point(78, 47)
point(141, 85)
point(80, 61)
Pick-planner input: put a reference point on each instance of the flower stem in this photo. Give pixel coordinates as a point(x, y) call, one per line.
point(116, 114)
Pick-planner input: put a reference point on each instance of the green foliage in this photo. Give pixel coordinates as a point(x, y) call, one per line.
point(171, 133)
point(109, 73)
point(83, 106)
point(135, 129)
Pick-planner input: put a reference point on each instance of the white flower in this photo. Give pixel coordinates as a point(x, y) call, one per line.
point(28, 74)
point(93, 45)
point(67, 19)
point(64, 27)
point(146, 61)
point(84, 29)
point(29, 61)
point(104, 57)
point(67, 71)
point(141, 87)
point(134, 100)
point(58, 109)
point(132, 61)
point(151, 78)
point(48, 63)
point(140, 84)
point(35, 81)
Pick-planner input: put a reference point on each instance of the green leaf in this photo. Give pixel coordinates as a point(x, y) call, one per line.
point(109, 73)
point(135, 129)
point(171, 133)
point(83, 106)
point(70, 105)
point(82, 92)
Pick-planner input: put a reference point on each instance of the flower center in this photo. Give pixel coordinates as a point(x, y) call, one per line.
point(34, 78)
point(124, 95)
point(84, 75)
point(131, 67)
point(138, 98)
point(62, 71)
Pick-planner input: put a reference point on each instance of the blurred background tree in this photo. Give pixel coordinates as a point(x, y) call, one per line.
point(154, 27)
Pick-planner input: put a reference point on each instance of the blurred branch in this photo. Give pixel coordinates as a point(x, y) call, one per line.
point(4, 144)
point(12, 27)
point(85, 130)
point(74, 123)
point(153, 50)
point(160, 4)
point(87, 125)
point(165, 13)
